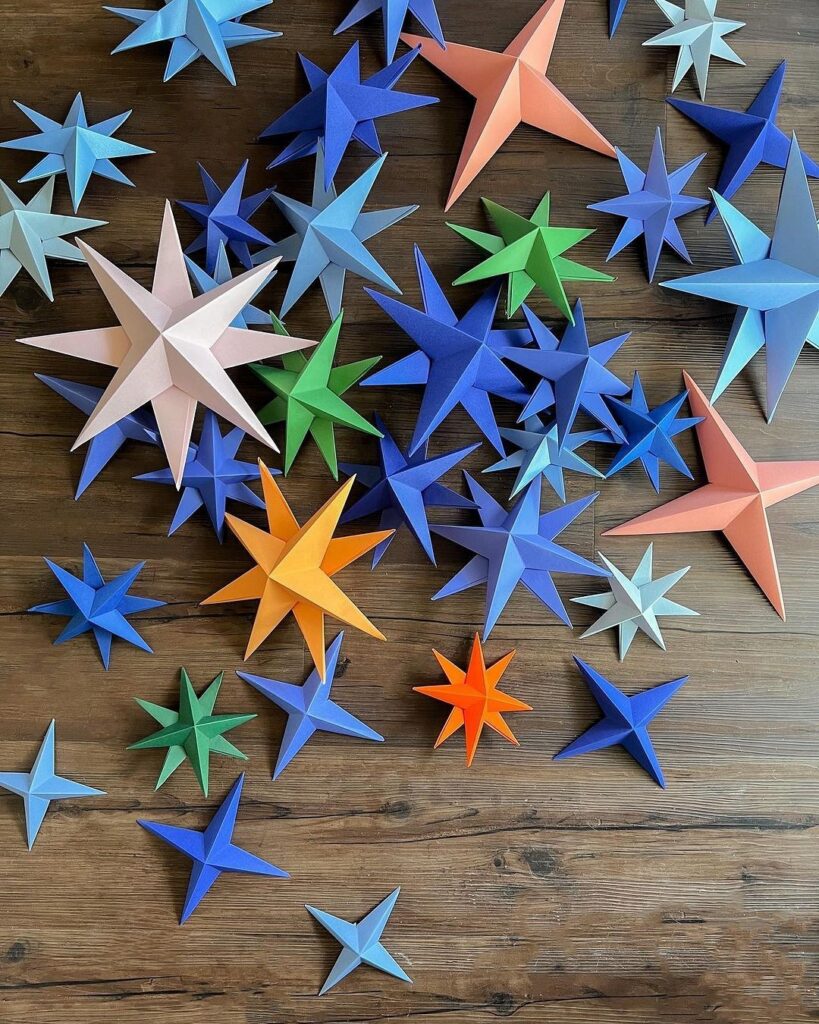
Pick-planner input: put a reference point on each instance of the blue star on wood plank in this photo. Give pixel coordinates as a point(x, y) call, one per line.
point(394, 13)
point(616, 10)
point(250, 316)
point(625, 720)
point(212, 850)
point(98, 607)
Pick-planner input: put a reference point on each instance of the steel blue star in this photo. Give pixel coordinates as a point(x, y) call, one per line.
point(250, 316)
point(394, 13)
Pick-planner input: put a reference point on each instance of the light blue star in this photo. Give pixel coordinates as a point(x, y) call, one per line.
point(250, 316)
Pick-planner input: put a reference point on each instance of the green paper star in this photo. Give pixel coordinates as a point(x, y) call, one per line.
point(192, 732)
point(308, 396)
point(530, 252)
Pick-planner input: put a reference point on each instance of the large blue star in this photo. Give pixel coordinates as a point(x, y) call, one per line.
point(250, 316)
point(394, 13)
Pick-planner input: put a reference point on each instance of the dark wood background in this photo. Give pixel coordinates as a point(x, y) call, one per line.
point(575, 892)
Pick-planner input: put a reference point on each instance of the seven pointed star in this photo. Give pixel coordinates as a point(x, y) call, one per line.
point(510, 88)
point(735, 501)
point(394, 13)
point(170, 349)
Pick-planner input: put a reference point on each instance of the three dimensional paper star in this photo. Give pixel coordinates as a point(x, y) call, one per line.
point(510, 88)
point(625, 720)
point(212, 850)
point(361, 942)
point(616, 10)
point(42, 785)
point(734, 501)
point(193, 732)
point(250, 316)
point(309, 708)
point(394, 13)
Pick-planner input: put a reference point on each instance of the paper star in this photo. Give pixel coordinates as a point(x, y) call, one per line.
point(774, 284)
point(294, 569)
point(510, 88)
point(30, 232)
point(170, 349)
point(699, 35)
point(734, 501)
point(625, 720)
point(194, 28)
point(42, 785)
point(394, 13)
point(361, 942)
point(653, 204)
point(250, 316)
point(528, 253)
point(136, 426)
point(402, 487)
point(308, 396)
point(475, 698)
point(616, 10)
point(516, 547)
point(212, 476)
point(649, 433)
point(191, 733)
point(309, 708)
point(340, 108)
point(457, 360)
point(212, 850)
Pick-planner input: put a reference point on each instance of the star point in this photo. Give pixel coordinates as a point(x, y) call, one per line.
point(394, 13)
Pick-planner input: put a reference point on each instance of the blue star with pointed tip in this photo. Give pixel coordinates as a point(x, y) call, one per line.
point(212, 850)
point(394, 13)
point(625, 720)
point(250, 316)
point(96, 606)
point(340, 108)
point(361, 942)
point(516, 546)
point(616, 10)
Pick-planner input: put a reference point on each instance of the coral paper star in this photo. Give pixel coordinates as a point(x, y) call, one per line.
point(393, 14)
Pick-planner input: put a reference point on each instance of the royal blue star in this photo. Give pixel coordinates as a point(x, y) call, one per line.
point(616, 10)
point(250, 316)
point(394, 13)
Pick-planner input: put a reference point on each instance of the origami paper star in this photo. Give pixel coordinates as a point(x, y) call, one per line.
point(30, 232)
point(212, 850)
point(735, 501)
point(340, 108)
point(402, 487)
point(475, 698)
point(42, 785)
point(136, 426)
point(193, 732)
point(649, 433)
point(457, 360)
point(98, 607)
point(394, 13)
point(170, 349)
point(751, 136)
point(194, 28)
point(516, 546)
point(699, 34)
point(653, 205)
point(774, 284)
point(625, 720)
point(528, 253)
point(616, 10)
point(510, 88)
point(309, 708)
point(250, 316)
point(294, 569)
point(361, 942)
point(308, 396)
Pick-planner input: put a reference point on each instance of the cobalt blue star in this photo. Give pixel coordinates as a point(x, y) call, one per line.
point(340, 107)
point(516, 546)
point(616, 11)
point(394, 13)
point(98, 607)
point(212, 850)
point(250, 316)
point(625, 720)
point(457, 360)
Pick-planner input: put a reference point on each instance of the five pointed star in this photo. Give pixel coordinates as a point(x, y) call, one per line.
point(361, 942)
point(735, 501)
point(309, 708)
point(170, 349)
point(635, 603)
point(774, 284)
point(42, 785)
point(294, 569)
point(191, 733)
point(250, 316)
point(510, 88)
point(475, 698)
point(699, 35)
point(625, 720)
point(394, 13)
point(30, 232)
point(212, 850)
point(528, 252)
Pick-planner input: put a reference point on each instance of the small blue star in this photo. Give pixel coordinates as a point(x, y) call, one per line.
point(394, 13)
point(250, 316)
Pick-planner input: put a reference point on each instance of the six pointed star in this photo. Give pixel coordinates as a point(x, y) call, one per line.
point(250, 316)
point(394, 13)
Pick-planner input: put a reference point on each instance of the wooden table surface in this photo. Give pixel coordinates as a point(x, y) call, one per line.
point(536, 891)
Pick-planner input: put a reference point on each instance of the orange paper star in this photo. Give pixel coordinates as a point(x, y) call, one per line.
point(294, 569)
point(474, 697)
